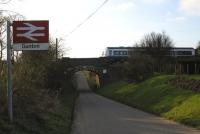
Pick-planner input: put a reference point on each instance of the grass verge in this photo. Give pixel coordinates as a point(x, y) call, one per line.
point(58, 121)
point(157, 96)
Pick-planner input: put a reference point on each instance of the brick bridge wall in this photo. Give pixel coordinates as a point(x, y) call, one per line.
point(94, 64)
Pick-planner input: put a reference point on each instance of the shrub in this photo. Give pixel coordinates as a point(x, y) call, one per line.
point(139, 68)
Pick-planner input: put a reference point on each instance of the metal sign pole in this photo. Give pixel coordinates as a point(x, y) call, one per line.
point(56, 49)
point(9, 73)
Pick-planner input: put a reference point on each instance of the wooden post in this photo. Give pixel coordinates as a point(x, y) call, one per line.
point(187, 68)
point(175, 68)
point(195, 68)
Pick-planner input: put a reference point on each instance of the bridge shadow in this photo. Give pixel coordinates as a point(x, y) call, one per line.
point(85, 81)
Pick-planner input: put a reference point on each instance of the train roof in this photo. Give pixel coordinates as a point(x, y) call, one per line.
point(140, 47)
point(120, 47)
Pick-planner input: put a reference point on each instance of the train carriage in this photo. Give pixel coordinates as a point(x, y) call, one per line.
point(125, 51)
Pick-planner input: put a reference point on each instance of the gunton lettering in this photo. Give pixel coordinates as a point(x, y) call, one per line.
point(30, 46)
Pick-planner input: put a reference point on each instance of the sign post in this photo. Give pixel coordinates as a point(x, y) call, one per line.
point(27, 35)
point(9, 73)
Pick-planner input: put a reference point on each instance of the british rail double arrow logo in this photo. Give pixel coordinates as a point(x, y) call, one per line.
point(31, 32)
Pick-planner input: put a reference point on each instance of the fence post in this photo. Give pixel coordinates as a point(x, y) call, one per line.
point(187, 68)
point(195, 68)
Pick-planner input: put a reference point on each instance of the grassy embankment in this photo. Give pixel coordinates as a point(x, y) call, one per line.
point(58, 121)
point(157, 96)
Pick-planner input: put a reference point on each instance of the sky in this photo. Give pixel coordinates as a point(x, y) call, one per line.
point(117, 23)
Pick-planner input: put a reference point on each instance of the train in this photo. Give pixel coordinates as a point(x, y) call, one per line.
point(126, 51)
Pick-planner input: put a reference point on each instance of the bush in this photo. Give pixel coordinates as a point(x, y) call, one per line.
point(38, 87)
point(139, 68)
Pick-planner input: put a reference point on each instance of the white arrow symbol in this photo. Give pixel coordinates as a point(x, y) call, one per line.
point(30, 33)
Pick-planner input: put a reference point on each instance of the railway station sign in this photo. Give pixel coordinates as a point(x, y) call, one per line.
point(30, 35)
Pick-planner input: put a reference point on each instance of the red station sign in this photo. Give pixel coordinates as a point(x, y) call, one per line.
point(30, 35)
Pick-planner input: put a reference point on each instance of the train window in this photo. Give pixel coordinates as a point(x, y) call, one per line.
point(110, 52)
point(116, 52)
point(120, 52)
point(125, 53)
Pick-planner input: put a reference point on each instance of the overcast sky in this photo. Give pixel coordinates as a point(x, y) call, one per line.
point(118, 23)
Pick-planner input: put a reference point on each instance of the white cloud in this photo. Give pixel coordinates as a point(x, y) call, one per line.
point(122, 7)
point(172, 17)
point(154, 1)
point(191, 7)
point(176, 19)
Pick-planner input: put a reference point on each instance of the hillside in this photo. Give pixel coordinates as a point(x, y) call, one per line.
point(157, 95)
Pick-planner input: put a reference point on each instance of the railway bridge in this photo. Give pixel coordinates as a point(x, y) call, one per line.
point(107, 70)
point(100, 66)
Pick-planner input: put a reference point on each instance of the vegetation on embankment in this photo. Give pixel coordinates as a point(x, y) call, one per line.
point(56, 121)
point(156, 95)
point(43, 96)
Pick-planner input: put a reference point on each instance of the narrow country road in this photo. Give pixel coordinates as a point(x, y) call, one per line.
point(97, 115)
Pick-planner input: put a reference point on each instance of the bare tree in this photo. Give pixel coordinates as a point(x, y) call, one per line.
point(198, 49)
point(2, 35)
point(5, 16)
point(198, 45)
point(5, 1)
point(157, 45)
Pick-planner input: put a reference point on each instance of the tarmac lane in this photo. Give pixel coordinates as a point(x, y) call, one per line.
point(95, 114)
